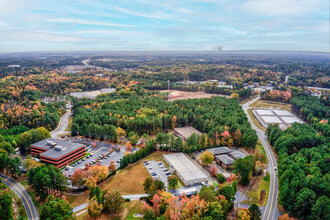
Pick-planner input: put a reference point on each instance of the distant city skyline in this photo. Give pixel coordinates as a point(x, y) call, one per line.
point(169, 25)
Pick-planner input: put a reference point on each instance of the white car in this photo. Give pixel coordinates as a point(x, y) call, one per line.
point(275, 168)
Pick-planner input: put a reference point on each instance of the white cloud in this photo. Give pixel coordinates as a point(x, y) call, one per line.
point(157, 15)
point(80, 21)
point(282, 7)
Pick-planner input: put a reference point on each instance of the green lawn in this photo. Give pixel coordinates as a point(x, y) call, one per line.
point(69, 124)
point(260, 149)
point(271, 104)
point(131, 208)
point(260, 183)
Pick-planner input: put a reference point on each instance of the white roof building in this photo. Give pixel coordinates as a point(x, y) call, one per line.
point(186, 170)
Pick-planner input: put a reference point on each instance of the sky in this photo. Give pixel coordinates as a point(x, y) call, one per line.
point(169, 25)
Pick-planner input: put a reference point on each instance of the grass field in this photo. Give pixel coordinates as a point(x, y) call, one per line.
point(130, 208)
point(127, 181)
point(69, 124)
point(260, 183)
point(261, 149)
point(255, 120)
point(270, 104)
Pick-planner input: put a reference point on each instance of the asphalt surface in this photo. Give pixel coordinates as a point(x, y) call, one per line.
point(158, 168)
point(62, 125)
point(271, 206)
point(31, 211)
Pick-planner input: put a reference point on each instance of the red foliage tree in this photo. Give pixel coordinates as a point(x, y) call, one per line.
point(214, 170)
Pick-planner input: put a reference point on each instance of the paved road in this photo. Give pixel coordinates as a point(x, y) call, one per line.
point(271, 206)
point(86, 63)
point(62, 125)
point(30, 209)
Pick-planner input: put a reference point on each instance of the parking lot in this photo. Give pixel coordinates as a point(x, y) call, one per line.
point(99, 154)
point(158, 171)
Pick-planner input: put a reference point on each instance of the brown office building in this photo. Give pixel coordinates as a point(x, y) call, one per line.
point(57, 152)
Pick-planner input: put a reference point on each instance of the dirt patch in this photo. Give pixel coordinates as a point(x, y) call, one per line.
point(181, 95)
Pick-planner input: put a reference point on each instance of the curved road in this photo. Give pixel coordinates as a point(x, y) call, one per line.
point(271, 206)
point(62, 125)
point(31, 211)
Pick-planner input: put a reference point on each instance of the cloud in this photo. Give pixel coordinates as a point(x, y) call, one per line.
point(153, 15)
point(87, 22)
point(281, 7)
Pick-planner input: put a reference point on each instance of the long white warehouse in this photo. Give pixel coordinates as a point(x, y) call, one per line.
point(187, 171)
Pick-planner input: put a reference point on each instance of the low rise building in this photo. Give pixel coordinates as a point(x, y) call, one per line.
point(57, 152)
point(186, 170)
point(185, 132)
point(224, 161)
point(219, 150)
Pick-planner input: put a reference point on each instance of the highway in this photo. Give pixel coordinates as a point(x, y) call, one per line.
point(271, 206)
point(62, 125)
point(31, 211)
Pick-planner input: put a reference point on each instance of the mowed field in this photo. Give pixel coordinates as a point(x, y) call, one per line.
point(127, 181)
point(180, 95)
point(270, 104)
point(130, 208)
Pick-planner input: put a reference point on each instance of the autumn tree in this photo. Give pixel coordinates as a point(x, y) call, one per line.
point(99, 172)
point(206, 158)
point(133, 138)
point(243, 214)
point(78, 178)
point(214, 170)
point(174, 122)
point(234, 96)
point(128, 146)
point(95, 209)
point(112, 166)
point(120, 133)
point(113, 202)
point(29, 163)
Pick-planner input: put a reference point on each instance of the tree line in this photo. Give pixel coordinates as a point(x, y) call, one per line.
point(303, 170)
point(221, 120)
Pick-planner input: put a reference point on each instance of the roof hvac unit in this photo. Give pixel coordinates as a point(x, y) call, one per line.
point(58, 148)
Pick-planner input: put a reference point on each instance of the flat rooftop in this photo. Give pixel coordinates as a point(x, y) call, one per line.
point(238, 154)
point(185, 167)
point(271, 119)
point(264, 112)
point(225, 159)
point(186, 132)
point(219, 150)
point(66, 147)
point(283, 113)
point(291, 120)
